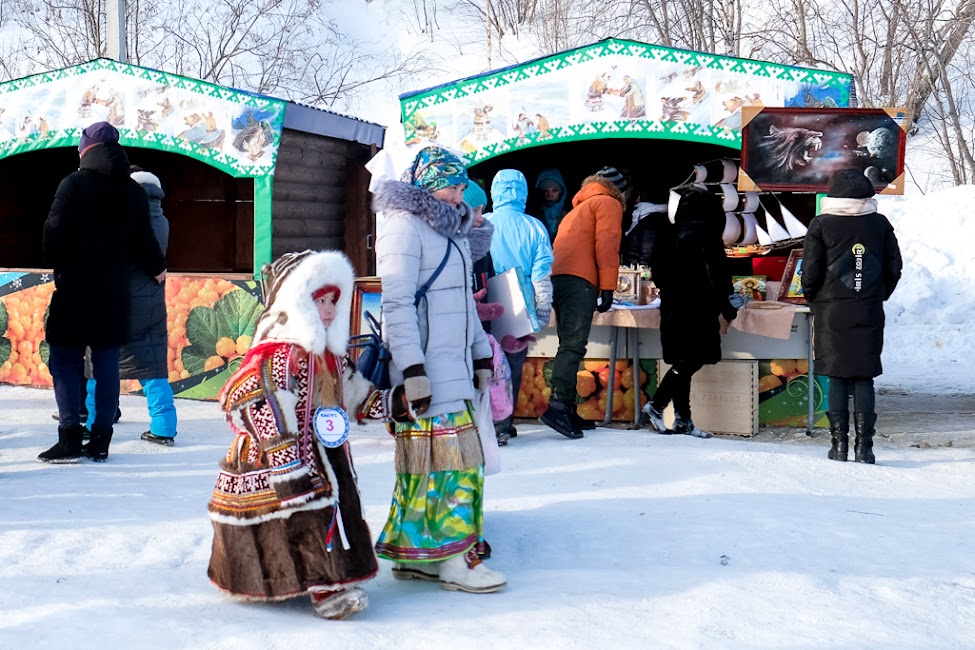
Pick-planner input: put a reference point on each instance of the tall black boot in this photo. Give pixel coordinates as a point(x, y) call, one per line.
point(863, 446)
point(68, 447)
point(97, 447)
point(839, 431)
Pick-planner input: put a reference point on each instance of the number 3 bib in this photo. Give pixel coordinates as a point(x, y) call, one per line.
point(331, 424)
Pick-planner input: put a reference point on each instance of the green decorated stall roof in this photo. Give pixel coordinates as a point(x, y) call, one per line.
point(235, 131)
point(611, 89)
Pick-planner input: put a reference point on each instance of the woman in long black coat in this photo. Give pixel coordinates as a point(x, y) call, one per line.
point(688, 264)
point(851, 265)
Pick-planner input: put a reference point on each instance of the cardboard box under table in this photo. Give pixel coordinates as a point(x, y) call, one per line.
point(724, 397)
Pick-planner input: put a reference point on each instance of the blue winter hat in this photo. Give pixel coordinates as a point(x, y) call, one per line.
point(435, 168)
point(474, 196)
point(98, 133)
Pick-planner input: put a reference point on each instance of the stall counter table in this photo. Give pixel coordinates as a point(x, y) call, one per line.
point(762, 330)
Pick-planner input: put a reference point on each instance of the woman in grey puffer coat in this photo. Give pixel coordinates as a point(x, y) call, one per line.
point(441, 355)
point(144, 357)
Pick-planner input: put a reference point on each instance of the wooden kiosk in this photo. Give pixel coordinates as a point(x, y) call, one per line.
point(655, 112)
point(247, 177)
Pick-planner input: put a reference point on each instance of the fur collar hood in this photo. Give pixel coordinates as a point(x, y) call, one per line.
point(847, 207)
point(396, 196)
point(595, 185)
point(291, 316)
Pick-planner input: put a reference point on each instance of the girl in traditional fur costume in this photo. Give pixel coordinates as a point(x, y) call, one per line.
point(286, 513)
point(440, 354)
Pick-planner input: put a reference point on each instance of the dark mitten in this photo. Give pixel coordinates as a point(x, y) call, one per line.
point(605, 300)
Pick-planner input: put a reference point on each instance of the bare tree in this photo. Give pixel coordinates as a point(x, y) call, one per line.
point(56, 34)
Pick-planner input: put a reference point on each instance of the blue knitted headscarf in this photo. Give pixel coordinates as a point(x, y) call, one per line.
point(435, 168)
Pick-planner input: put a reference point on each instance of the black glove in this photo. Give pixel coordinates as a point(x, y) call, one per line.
point(605, 300)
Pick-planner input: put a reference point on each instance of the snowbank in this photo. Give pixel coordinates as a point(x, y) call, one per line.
point(929, 345)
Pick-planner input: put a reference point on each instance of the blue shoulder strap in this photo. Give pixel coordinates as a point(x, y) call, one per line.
point(422, 291)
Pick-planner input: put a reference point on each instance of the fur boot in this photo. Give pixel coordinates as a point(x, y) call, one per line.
point(467, 573)
point(68, 447)
point(863, 446)
point(339, 605)
point(839, 431)
point(97, 447)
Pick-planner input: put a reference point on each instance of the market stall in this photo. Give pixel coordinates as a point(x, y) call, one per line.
point(656, 113)
point(247, 177)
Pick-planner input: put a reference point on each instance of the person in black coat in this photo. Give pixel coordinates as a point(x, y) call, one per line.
point(648, 218)
point(688, 264)
point(144, 356)
point(98, 225)
point(851, 265)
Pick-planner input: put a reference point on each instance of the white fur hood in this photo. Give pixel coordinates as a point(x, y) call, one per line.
point(290, 314)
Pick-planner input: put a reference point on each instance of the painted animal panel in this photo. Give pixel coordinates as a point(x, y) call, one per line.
point(800, 149)
point(787, 148)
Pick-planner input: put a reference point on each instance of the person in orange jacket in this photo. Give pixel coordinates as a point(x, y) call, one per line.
point(586, 267)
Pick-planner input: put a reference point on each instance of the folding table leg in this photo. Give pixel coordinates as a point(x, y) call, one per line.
point(614, 339)
point(635, 360)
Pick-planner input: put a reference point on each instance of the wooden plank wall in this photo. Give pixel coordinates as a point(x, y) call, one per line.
point(320, 198)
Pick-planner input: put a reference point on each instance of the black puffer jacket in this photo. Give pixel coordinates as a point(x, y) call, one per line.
point(851, 265)
point(97, 227)
point(144, 356)
point(690, 268)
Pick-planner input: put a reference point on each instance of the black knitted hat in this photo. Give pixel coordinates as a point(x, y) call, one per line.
point(850, 184)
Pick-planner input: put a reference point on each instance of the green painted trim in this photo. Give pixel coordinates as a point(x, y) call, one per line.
point(263, 188)
point(647, 129)
point(69, 137)
point(424, 100)
point(819, 202)
point(144, 140)
point(612, 47)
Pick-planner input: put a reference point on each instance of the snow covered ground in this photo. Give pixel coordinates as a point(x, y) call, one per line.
point(613, 541)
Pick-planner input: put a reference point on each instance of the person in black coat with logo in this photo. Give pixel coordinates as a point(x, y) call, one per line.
point(98, 224)
point(688, 264)
point(851, 265)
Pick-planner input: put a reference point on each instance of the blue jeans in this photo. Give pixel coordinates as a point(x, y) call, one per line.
point(67, 366)
point(159, 398)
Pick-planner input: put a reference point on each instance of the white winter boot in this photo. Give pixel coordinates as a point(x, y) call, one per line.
point(467, 573)
point(417, 571)
point(339, 605)
point(653, 419)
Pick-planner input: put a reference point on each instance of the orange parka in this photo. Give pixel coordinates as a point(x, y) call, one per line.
point(588, 241)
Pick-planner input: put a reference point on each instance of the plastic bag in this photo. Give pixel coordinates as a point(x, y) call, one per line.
point(485, 429)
